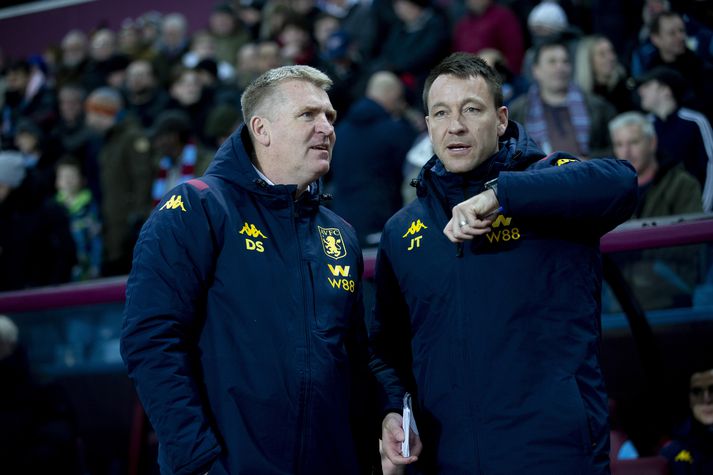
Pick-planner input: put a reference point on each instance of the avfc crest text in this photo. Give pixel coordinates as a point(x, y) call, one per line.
point(332, 242)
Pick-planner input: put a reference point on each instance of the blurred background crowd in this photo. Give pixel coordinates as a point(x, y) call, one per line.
point(95, 129)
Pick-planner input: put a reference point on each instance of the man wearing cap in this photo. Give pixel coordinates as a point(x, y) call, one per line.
point(125, 176)
point(36, 247)
point(243, 329)
point(684, 135)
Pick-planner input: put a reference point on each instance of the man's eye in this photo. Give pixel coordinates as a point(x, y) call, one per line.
point(439, 114)
point(307, 114)
point(471, 109)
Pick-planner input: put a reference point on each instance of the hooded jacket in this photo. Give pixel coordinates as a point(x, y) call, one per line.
point(499, 336)
point(367, 166)
point(243, 328)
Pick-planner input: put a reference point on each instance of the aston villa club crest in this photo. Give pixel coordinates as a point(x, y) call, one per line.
point(332, 242)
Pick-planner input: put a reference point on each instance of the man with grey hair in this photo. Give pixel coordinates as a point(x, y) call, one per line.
point(172, 44)
point(663, 191)
point(243, 327)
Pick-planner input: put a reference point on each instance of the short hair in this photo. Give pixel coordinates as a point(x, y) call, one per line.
point(19, 65)
point(75, 35)
point(655, 26)
point(550, 43)
point(465, 66)
point(175, 20)
point(262, 88)
point(68, 160)
point(632, 118)
point(75, 88)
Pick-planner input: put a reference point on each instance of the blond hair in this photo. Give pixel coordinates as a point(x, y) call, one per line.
point(258, 92)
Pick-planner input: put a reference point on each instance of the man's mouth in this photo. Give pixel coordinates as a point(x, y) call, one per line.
point(323, 146)
point(458, 147)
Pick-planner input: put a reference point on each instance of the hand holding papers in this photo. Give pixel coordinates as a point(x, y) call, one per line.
point(408, 424)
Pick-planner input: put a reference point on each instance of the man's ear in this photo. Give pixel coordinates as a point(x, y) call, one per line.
point(502, 120)
point(260, 130)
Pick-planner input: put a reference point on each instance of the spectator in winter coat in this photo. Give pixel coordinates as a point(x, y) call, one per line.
point(369, 158)
point(684, 135)
point(662, 191)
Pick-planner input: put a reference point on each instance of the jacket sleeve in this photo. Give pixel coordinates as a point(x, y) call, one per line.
point(165, 302)
point(389, 337)
point(590, 196)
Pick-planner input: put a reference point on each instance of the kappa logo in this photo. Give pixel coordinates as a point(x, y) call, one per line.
point(253, 244)
point(252, 231)
point(332, 242)
point(684, 456)
point(173, 203)
point(563, 161)
point(416, 227)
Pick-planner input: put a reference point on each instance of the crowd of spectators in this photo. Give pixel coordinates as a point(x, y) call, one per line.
point(94, 130)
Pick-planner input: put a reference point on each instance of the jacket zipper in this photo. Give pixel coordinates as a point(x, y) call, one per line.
point(459, 245)
point(305, 382)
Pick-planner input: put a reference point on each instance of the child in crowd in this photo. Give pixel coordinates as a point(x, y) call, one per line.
point(83, 212)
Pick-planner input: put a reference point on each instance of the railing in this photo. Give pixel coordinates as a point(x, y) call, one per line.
point(634, 235)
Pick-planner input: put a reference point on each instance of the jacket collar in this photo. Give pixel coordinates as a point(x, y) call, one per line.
point(516, 151)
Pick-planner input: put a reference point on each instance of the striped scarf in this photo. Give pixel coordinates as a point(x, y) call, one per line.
point(536, 125)
point(165, 180)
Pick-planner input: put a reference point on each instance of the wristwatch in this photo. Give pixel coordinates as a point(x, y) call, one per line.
point(492, 185)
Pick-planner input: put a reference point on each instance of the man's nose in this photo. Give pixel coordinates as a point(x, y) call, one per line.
point(456, 124)
point(324, 126)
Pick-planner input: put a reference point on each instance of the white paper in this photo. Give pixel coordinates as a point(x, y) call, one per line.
point(408, 424)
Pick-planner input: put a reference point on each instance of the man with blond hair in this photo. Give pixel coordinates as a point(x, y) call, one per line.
point(243, 328)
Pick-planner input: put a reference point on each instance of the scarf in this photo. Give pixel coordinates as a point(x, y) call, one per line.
point(536, 124)
point(165, 182)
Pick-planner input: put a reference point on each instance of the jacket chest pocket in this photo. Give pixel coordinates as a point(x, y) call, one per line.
point(335, 290)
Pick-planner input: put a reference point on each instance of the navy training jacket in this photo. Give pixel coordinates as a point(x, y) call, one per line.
point(243, 328)
point(499, 337)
